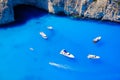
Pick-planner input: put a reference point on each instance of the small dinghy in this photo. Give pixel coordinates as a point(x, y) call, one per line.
point(91, 56)
point(67, 54)
point(31, 49)
point(50, 27)
point(43, 35)
point(95, 40)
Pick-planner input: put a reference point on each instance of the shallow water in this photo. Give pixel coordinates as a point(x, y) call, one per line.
point(18, 62)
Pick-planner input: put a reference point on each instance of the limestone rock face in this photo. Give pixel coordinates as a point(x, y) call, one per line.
point(6, 12)
point(55, 6)
point(112, 12)
point(97, 9)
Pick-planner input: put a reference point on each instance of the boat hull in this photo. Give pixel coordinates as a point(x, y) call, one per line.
point(43, 35)
point(93, 56)
point(67, 54)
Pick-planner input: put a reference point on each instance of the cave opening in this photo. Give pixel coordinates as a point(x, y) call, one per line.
point(23, 13)
point(61, 13)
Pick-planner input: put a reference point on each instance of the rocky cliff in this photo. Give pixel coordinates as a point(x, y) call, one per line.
point(96, 9)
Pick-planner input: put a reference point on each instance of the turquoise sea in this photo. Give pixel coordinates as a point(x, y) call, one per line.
point(18, 62)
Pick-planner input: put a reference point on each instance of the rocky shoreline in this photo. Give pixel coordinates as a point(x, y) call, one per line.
point(96, 9)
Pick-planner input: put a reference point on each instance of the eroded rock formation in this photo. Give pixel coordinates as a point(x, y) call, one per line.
point(97, 9)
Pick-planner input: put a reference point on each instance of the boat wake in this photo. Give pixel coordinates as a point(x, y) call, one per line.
point(59, 65)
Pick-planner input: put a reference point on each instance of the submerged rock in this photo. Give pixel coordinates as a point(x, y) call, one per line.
point(97, 9)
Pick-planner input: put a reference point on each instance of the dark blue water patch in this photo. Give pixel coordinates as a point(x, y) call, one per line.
point(24, 13)
point(62, 14)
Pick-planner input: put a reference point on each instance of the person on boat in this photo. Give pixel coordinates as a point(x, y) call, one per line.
point(65, 52)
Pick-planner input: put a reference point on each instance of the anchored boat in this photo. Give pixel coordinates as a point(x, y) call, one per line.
point(95, 40)
point(91, 56)
point(67, 54)
point(43, 35)
point(50, 27)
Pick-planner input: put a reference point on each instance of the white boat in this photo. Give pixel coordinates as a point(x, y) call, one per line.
point(43, 35)
point(91, 56)
point(32, 49)
point(95, 40)
point(67, 54)
point(50, 27)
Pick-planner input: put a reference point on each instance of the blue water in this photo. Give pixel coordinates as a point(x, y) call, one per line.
point(18, 62)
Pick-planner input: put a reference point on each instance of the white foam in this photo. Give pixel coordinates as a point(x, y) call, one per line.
point(59, 65)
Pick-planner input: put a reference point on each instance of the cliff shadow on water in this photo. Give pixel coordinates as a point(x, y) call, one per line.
point(23, 13)
point(99, 21)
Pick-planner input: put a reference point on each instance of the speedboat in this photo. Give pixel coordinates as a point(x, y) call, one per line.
point(95, 40)
point(50, 27)
point(43, 35)
point(91, 56)
point(67, 54)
